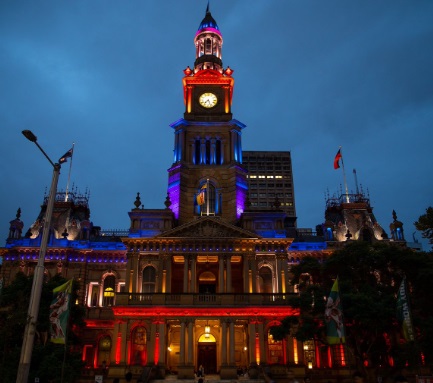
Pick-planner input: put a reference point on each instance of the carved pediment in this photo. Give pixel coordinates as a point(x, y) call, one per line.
point(208, 227)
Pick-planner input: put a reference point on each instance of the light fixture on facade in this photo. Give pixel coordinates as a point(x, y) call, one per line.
point(310, 364)
point(207, 330)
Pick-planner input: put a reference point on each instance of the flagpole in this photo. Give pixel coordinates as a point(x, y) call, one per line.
point(344, 176)
point(69, 175)
point(356, 181)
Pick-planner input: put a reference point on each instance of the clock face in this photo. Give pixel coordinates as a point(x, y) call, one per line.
point(208, 100)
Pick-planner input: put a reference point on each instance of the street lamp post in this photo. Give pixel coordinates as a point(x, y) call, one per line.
point(38, 276)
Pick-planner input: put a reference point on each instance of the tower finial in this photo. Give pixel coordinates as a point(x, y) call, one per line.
point(207, 8)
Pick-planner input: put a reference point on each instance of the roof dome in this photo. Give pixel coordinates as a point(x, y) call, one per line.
point(208, 23)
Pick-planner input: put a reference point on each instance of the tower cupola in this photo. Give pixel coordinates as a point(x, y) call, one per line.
point(208, 42)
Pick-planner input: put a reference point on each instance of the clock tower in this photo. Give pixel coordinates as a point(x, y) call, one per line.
point(207, 176)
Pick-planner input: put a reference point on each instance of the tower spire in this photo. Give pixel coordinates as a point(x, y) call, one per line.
point(208, 42)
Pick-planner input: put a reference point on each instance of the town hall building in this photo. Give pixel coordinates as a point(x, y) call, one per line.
point(202, 280)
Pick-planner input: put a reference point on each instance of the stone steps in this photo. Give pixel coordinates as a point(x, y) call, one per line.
point(207, 379)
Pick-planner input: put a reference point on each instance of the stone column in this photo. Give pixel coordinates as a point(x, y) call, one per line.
point(263, 357)
point(221, 274)
point(232, 145)
point(151, 344)
point(162, 344)
point(246, 273)
point(285, 271)
point(128, 280)
point(229, 274)
point(193, 273)
point(232, 343)
point(280, 271)
point(223, 343)
point(182, 343)
point(253, 268)
point(190, 342)
point(123, 328)
point(240, 147)
point(176, 148)
point(185, 273)
point(134, 274)
point(252, 342)
point(114, 341)
point(167, 275)
point(180, 145)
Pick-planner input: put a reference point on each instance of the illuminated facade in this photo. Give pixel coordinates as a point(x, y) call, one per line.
point(201, 281)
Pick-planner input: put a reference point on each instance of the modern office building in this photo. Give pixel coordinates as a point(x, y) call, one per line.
point(270, 181)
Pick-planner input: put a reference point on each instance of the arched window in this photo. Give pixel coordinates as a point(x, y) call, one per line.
point(109, 290)
point(149, 280)
point(207, 200)
point(197, 159)
point(208, 47)
point(208, 156)
point(265, 280)
point(218, 156)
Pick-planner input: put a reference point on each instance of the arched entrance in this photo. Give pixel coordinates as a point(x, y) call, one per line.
point(206, 354)
point(207, 283)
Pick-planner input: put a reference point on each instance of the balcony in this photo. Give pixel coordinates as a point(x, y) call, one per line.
point(203, 300)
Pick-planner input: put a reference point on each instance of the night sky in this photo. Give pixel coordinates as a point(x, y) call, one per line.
point(309, 76)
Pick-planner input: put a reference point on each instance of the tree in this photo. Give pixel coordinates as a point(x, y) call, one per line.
point(47, 358)
point(425, 224)
point(369, 277)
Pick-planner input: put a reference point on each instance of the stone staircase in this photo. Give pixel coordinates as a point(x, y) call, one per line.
point(207, 379)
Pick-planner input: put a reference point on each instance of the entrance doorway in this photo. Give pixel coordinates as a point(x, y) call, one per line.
point(207, 357)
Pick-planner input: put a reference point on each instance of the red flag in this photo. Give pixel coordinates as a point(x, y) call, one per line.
point(337, 158)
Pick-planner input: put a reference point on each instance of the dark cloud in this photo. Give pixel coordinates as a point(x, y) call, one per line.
point(310, 76)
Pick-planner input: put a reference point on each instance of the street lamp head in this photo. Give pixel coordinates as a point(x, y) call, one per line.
point(29, 135)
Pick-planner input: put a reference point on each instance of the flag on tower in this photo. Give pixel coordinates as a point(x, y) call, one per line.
point(67, 155)
point(337, 158)
point(59, 312)
point(335, 333)
point(201, 196)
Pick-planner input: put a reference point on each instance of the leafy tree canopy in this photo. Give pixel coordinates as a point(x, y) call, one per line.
point(47, 358)
point(425, 224)
point(369, 278)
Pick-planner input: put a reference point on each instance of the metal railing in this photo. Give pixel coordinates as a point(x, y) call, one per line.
point(205, 299)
